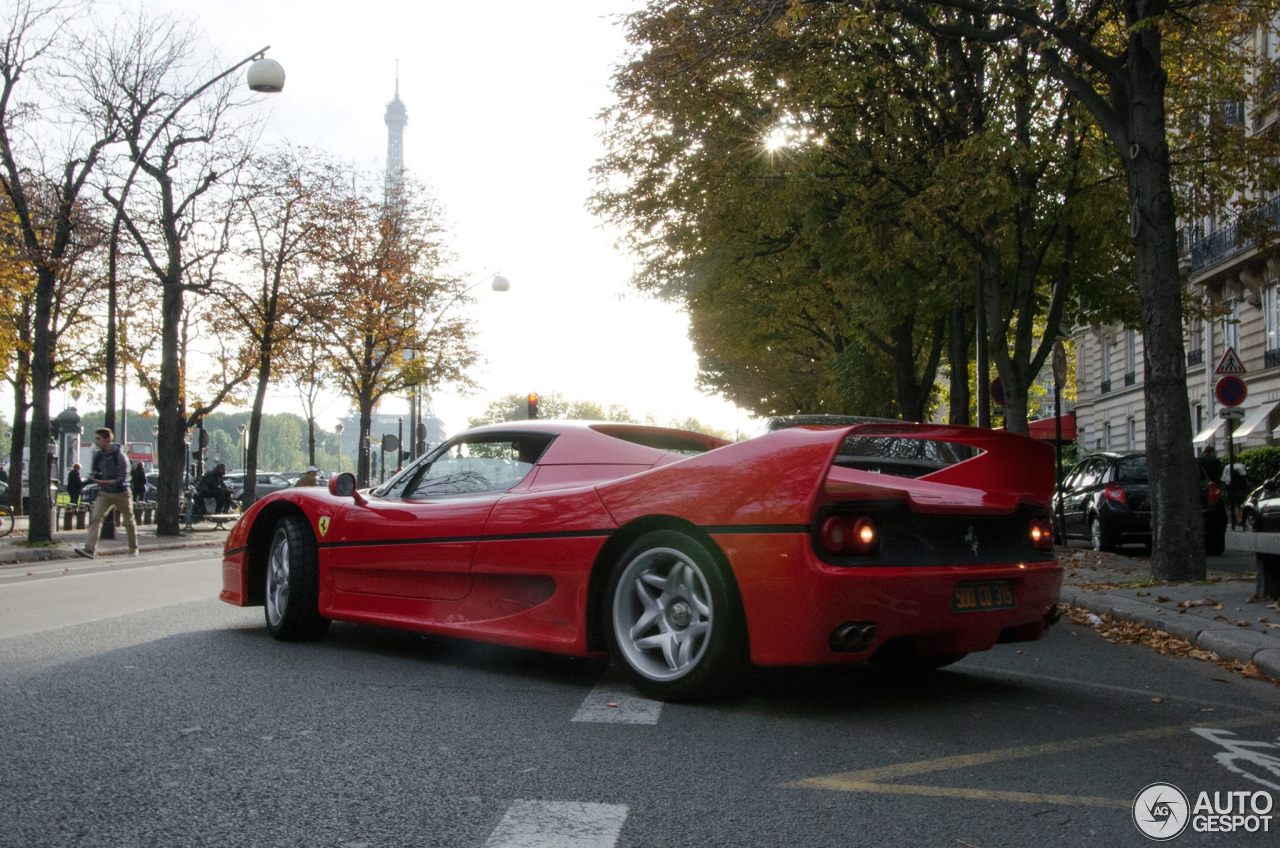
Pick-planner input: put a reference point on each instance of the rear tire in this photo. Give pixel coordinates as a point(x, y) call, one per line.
point(673, 621)
point(293, 583)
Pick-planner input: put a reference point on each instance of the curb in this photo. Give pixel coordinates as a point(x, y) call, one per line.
point(1229, 642)
point(18, 555)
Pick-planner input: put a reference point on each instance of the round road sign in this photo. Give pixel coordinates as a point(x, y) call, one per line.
point(1230, 390)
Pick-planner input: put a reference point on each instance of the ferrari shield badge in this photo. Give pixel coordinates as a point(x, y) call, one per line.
point(324, 524)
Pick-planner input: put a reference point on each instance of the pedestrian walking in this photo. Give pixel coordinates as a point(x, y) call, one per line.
point(110, 470)
point(138, 482)
point(75, 483)
point(1235, 479)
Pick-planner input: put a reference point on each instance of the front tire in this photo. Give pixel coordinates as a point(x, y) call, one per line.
point(293, 583)
point(673, 621)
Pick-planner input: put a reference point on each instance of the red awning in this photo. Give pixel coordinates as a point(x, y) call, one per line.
point(1046, 429)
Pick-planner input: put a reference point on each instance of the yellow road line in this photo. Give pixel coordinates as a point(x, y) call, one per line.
point(872, 779)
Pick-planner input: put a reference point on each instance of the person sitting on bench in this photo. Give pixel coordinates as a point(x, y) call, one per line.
point(212, 486)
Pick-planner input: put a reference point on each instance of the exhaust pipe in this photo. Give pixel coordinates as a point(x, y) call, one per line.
point(853, 636)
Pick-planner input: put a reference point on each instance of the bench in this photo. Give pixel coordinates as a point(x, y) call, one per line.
point(1266, 546)
point(220, 519)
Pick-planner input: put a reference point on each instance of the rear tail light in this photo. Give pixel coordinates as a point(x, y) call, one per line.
point(1042, 534)
point(1115, 493)
point(845, 535)
point(1214, 492)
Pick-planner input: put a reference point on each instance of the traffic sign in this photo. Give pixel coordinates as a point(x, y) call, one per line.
point(1230, 363)
point(1230, 390)
point(1231, 412)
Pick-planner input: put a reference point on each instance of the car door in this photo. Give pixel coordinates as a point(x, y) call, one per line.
point(415, 538)
point(1073, 503)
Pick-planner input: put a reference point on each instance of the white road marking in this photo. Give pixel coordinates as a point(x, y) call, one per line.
point(558, 824)
point(618, 704)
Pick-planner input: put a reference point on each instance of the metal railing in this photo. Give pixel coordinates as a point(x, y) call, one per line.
point(1105, 387)
point(1195, 357)
point(1271, 358)
point(1130, 378)
point(1239, 234)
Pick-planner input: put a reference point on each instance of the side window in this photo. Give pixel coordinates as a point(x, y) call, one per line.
point(473, 465)
point(1089, 475)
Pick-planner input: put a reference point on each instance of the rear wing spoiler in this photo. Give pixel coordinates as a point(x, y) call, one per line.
point(779, 478)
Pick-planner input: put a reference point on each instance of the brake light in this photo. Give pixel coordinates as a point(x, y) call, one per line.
point(1214, 492)
point(842, 535)
point(1042, 534)
point(1115, 493)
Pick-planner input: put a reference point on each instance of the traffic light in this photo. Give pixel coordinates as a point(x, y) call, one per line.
point(533, 404)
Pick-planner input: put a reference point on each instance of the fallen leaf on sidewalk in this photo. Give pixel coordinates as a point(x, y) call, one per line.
point(1163, 599)
point(1200, 602)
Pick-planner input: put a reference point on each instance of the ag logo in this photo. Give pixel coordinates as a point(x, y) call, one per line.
point(324, 524)
point(1161, 811)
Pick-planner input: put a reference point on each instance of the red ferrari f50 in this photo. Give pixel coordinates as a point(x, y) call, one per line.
point(685, 557)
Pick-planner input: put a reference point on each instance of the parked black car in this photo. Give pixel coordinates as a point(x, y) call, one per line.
point(1106, 500)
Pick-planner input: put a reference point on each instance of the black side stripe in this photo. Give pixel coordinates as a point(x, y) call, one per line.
point(731, 529)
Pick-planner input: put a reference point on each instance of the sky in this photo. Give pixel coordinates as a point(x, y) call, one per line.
point(503, 101)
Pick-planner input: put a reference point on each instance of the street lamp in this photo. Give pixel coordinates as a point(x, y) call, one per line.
point(243, 459)
point(264, 75)
point(417, 429)
point(337, 429)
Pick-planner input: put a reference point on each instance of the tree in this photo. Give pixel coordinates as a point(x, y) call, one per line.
point(270, 311)
point(187, 161)
point(553, 405)
point(46, 166)
point(381, 271)
point(826, 194)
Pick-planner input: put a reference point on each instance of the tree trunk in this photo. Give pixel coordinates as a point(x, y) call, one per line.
point(173, 460)
point(18, 440)
point(958, 357)
point(250, 493)
point(1177, 520)
point(40, 517)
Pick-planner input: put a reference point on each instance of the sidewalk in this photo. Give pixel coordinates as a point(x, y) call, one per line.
point(14, 548)
point(1219, 615)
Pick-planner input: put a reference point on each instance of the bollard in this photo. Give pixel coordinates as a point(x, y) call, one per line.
point(66, 517)
point(82, 517)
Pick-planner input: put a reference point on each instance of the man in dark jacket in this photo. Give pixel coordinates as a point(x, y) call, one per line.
point(110, 470)
point(212, 486)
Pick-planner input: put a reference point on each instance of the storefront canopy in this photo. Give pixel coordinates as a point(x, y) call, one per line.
point(1256, 419)
point(1046, 429)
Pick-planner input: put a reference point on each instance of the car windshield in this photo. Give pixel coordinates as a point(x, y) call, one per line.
point(1131, 469)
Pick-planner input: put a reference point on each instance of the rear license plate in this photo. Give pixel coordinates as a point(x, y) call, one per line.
point(987, 595)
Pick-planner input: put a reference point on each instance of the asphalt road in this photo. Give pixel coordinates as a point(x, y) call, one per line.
point(139, 711)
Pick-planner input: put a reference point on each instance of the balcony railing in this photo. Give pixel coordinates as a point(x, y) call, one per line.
point(1236, 236)
point(1130, 378)
point(1195, 357)
point(1105, 387)
point(1232, 113)
point(1272, 357)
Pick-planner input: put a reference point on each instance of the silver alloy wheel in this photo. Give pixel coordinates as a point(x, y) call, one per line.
point(278, 578)
point(1095, 534)
point(662, 614)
